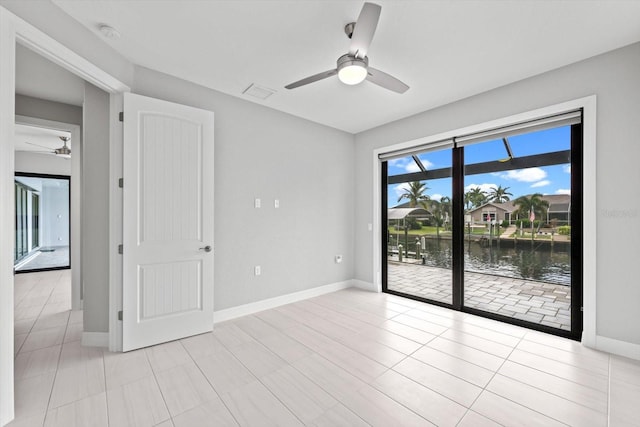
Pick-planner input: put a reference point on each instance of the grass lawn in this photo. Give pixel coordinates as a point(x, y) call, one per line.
point(422, 231)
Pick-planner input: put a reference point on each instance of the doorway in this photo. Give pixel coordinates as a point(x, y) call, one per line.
point(491, 224)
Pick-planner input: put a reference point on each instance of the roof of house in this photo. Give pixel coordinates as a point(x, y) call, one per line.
point(557, 203)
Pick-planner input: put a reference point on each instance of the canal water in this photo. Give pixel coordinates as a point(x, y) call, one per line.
point(540, 262)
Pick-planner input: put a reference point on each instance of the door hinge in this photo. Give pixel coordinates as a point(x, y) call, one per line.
point(121, 116)
point(120, 315)
point(120, 249)
point(121, 182)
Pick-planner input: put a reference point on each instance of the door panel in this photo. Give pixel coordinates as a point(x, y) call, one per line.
point(168, 221)
point(420, 228)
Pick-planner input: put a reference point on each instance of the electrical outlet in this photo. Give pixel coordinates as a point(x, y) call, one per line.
point(276, 203)
point(338, 259)
point(257, 270)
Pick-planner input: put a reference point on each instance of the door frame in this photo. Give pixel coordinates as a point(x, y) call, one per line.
point(588, 106)
point(16, 30)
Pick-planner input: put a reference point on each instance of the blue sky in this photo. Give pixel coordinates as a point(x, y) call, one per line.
point(545, 180)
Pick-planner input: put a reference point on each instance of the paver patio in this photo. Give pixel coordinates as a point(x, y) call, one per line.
point(537, 302)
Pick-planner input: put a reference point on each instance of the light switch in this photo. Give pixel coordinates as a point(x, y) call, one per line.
point(257, 203)
point(276, 203)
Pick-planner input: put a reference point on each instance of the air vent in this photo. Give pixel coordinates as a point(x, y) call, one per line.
point(259, 92)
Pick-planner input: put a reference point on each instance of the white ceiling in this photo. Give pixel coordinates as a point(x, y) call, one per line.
point(444, 49)
point(37, 139)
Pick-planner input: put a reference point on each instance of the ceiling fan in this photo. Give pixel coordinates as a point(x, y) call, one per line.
point(63, 151)
point(353, 67)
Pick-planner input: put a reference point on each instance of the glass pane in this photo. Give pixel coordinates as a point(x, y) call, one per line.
point(517, 231)
point(42, 223)
point(419, 230)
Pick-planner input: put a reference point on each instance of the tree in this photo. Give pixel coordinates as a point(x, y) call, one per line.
point(441, 212)
point(415, 193)
point(445, 206)
point(475, 198)
point(533, 203)
point(499, 194)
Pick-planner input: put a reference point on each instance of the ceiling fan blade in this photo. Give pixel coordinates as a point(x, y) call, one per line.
point(364, 30)
point(35, 152)
point(312, 79)
point(386, 81)
point(38, 145)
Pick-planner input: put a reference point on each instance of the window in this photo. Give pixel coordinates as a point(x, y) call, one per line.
point(512, 224)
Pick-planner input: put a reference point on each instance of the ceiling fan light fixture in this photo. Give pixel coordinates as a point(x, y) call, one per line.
point(352, 70)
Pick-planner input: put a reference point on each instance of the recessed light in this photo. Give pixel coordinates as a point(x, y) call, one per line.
point(259, 92)
point(109, 32)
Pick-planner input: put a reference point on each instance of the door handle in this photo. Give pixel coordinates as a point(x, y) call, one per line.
point(206, 248)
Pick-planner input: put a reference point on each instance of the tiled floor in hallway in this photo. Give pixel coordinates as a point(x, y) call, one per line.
point(349, 358)
point(536, 302)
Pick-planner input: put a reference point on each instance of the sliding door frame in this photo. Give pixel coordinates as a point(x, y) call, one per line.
point(61, 177)
point(582, 304)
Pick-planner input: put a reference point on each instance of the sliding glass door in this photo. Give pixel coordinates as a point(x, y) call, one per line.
point(419, 227)
point(42, 220)
point(491, 224)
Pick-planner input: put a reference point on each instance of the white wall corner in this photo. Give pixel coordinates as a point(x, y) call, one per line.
point(254, 307)
point(367, 286)
point(620, 348)
point(95, 339)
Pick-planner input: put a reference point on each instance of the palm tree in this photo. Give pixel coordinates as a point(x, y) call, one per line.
point(415, 193)
point(445, 206)
point(499, 194)
point(441, 211)
point(475, 198)
point(533, 203)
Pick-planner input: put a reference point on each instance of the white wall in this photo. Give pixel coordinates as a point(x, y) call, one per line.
point(613, 77)
point(260, 152)
point(95, 210)
point(55, 215)
point(42, 163)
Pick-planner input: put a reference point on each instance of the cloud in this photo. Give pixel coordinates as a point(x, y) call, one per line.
point(543, 183)
point(409, 165)
point(399, 189)
point(412, 167)
point(484, 187)
point(566, 169)
point(563, 191)
point(525, 175)
point(436, 197)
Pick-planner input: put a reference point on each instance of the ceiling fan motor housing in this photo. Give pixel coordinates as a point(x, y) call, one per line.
point(347, 60)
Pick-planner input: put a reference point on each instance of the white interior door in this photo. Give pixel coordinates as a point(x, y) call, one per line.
point(168, 222)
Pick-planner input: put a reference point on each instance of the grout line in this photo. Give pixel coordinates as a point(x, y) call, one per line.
point(155, 379)
point(484, 389)
point(258, 379)
point(207, 379)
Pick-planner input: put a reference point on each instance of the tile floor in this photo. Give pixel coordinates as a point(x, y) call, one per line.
point(536, 302)
point(349, 358)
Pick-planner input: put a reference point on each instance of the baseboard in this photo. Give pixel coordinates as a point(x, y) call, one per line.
point(367, 286)
point(620, 348)
point(95, 339)
point(254, 307)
